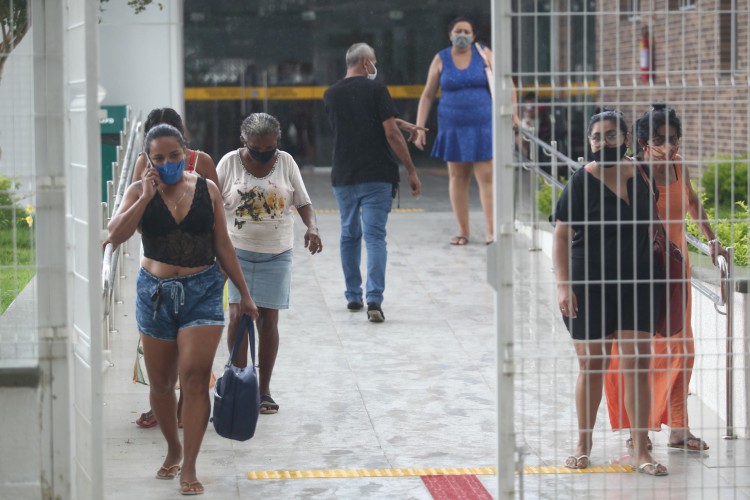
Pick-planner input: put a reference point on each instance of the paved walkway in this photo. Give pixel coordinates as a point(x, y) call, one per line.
point(417, 391)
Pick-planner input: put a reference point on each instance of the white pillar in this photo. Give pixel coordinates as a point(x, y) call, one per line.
point(83, 223)
point(50, 125)
point(142, 56)
point(500, 254)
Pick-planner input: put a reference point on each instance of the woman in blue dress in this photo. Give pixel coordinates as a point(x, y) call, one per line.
point(464, 138)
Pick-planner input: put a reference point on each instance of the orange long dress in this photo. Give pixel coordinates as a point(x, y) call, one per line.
point(672, 357)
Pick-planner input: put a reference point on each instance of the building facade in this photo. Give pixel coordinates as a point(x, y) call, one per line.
point(696, 60)
point(279, 56)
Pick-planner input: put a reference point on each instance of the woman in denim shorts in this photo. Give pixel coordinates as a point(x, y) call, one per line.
point(260, 185)
point(179, 308)
point(197, 162)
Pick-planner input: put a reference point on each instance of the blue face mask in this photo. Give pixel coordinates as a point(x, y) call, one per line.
point(170, 173)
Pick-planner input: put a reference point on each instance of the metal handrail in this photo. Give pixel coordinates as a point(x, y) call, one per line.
point(110, 259)
point(549, 150)
point(725, 266)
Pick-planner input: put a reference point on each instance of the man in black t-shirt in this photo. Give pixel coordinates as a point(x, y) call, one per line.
point(367, 143)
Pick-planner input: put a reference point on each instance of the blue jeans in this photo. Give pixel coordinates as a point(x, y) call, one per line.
point(364, 211)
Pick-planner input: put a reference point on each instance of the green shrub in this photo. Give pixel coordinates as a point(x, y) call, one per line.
point(544, 199)
point(12, 213)
point(720, 187)
point(17, 253)
point(17, 262)
point(731, 231)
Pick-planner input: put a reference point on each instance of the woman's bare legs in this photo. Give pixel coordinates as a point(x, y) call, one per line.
point(459, 177)
point(593, 357)
point(635, 357)
point(681, 353)
point(268, 346)
point(161, 364)
point(197, 348)
point(483, 174)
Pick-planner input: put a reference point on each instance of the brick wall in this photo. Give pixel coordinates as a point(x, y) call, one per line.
point(690, 57)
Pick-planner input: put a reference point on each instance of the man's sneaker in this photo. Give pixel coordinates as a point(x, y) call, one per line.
point(355, 306)
point(375, 313)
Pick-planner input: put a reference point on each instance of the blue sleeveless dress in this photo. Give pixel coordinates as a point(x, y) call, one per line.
point(464, 111)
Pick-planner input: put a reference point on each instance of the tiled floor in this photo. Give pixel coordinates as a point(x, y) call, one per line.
point(415, 391)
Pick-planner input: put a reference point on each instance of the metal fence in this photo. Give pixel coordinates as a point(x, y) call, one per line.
point(122, 173)
point(569, 60)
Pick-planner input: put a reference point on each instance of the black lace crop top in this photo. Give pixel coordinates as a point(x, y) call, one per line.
point(189, 243)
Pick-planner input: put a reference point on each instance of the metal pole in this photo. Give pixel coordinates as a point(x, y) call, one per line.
point(534, 189)
point(730, 347)
point(500, 255)
point(554, 175)
point(110, 199)
point(115, 176)
point(112, 314)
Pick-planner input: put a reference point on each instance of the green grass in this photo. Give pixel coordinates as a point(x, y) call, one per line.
point(17, 263)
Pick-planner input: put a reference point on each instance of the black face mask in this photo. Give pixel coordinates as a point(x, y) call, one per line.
point(608, 157)
point(261, 156)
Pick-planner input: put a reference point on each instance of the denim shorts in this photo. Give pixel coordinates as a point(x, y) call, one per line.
point(268, 277)
point(164, 306)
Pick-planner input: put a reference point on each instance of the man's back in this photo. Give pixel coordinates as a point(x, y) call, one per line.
point(356, 108)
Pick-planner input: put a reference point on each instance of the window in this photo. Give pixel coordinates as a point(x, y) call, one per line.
point(727, 37)
point(631, 9)
point(681, 4)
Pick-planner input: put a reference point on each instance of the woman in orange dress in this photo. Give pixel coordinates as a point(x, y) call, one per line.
point(658, 133)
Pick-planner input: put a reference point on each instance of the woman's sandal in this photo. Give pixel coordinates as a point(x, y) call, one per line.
point(147, 420)
point(167, 472)
point(459, 241)
point(652, 469)
point(574, 462)
point(194, 488)
point(267, 405)
point(688, 446)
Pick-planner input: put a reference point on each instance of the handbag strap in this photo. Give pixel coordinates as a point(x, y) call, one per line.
point(246, 323)
point(480, 49)
point(651, 186)
point(656, 222)
point(193, 160)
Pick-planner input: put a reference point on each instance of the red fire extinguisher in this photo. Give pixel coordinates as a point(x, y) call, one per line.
point(645, 55)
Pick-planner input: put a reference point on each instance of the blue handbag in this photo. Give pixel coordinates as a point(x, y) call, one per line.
point(236, 394)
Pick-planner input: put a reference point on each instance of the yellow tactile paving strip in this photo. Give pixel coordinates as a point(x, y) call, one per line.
point(396, 210)
point(315, 92)
point(451, 471)
point(594, 469)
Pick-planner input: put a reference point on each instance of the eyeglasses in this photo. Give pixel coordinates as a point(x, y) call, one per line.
point(611, 137)
point(659, 140)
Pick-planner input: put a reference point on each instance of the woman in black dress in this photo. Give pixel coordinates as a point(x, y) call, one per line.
point(607, 286)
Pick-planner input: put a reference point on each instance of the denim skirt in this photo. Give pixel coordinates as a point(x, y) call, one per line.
point(268, 276)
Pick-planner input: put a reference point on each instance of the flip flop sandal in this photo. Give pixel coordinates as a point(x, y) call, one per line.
point(168, 474)
point(268, 406)
point(188, 488)
point(147, 420)
point(572, 462)
point(459, 241)
point(685, 445)
point(654, 470)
